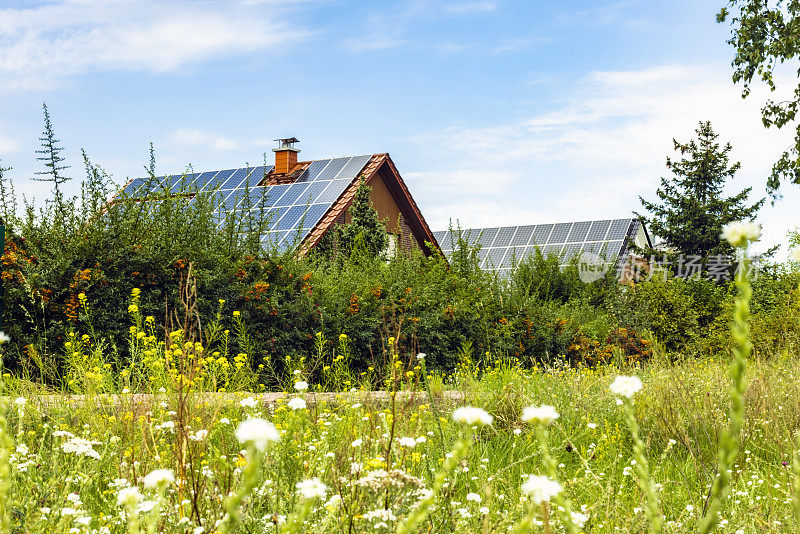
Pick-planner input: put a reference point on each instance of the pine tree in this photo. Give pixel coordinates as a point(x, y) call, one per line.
point(692, 210)
point(365, 229)
point(8, 205)
point(51, 155)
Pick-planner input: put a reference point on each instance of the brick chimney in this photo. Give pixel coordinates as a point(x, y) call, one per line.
point(285, 155)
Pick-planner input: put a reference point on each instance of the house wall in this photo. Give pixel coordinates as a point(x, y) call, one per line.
point(383, 202)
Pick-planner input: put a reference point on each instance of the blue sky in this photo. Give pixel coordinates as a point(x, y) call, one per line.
point(496, 112)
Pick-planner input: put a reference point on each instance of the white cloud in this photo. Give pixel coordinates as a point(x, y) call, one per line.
point(471, 8)
point(39, 46)
point(188, 137)
point(602, 145)
point(7, 145)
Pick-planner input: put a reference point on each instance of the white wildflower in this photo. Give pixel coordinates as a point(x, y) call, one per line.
point(147, 506)
point(249, 402)
point(129, 496)
point(81, 447)
point(739, 233)
point(166, 425)
point(380, 513)
point(200, 435)
point(158, 477)
point(4, 338)
point(357, 442)
point(579, 519)
point(311, 488)
point(540, 488)
point(407, 442)
point(20, 401)
point(258, 432)
point(483, 510)
point(421, 356)
point(544, 414)
point(301, 385)
point(625, 386)
point(297, 404)
point(469, 415)
point(334, 502)
point(474, 497)
point(592, 426)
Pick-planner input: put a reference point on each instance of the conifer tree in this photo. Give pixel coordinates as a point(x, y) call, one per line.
point(692, 209)
point(51, 156)
point(364, 230)
point(8, 205)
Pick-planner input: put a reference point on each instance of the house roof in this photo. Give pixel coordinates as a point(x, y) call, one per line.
point(503, 247)
point(298, 207)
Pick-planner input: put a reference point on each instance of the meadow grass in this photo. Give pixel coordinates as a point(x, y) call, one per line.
point(70, 461)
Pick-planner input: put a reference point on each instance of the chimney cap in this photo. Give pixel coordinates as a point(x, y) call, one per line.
point(286, 143)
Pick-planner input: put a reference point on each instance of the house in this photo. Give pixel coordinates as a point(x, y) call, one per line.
point(501, 248)
point(301, 200)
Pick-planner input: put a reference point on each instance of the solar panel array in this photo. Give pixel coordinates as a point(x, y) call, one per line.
point(290, 210)
point(504, 248)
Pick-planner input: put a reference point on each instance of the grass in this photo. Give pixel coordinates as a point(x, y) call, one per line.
point(680, 411)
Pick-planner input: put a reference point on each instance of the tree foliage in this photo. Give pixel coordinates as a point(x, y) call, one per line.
point(364, 231)
point(766, 34)
point(51, 156)
point(691, 209)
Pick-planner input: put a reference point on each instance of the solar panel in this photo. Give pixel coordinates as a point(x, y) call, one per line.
point(560, 233)
point(231, 200)
point(333, 191)
point(313, 215)
point(504, 248)
point(495, 257)
point(235, 180)
point(552, 249)
point(291, 218)
point(354, 166)
point(290, 210)
point(487, 236)
point(522, 236)
point(504, 236)
point(541, 233)
point(571, 250)
point(310, 195)
point(292, 194)
point(131, 188)
point(315, 168)
point(202, 180)
point(619, 229)
point(256, 175)
point(482, 253)
point(332, 169)
point(598, 231)
point(579, 231)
